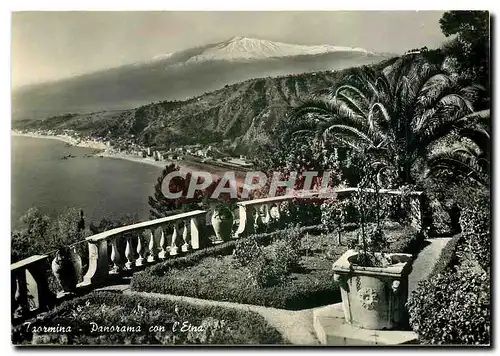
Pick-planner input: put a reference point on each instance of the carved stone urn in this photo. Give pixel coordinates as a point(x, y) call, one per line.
point(67, 268)
point(374, 297)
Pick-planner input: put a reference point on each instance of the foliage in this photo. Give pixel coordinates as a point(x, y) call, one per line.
point(452, 308)
point(334, 214)
point(272, 265)
point(392, 116)
point(218, 325)
point(41, 234)
point(213, 275)
point(475, 222)
point(470, 48)
point(246, 251)
point(447, 258)
point(410, 241)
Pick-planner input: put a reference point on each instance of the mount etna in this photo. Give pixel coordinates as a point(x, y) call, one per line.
point(181, 75)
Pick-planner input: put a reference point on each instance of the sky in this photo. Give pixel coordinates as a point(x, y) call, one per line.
point(53, 45)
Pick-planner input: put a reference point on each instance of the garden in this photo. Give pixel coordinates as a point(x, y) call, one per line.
point(288, 268)
point(418, 128)
point(104, 318)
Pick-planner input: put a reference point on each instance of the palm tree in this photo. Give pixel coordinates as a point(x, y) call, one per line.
point(394, 115)
point(466, 160)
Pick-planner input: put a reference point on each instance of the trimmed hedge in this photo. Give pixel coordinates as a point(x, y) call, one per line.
point(317, 289)
point(137, 316)
point(447, 257)
point(222, 249)
point(452, 307)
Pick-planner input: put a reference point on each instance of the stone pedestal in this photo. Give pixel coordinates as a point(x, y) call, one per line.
point(332, 329)
point(374, 297)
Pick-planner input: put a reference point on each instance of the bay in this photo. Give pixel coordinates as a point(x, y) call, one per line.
point(102, 187)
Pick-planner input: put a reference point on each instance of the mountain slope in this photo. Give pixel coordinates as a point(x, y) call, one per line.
point(242, 113)
point(181, 75)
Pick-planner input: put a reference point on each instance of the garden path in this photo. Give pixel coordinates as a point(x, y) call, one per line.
point(425, 261)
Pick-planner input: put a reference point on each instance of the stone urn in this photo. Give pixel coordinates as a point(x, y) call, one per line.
point(67, 268)
point(374, 297)
point(222, 223)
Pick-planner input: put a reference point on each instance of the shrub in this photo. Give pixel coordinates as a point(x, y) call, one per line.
point(408, 240)
point(246, 251)
point(276, 263)
point(333, 214)
point(266, 272)
point(304, 291)
point(447, 258)
point(292, 236)
point(220, 325)
point(285, 254)
point(452, 308)
point(475, 222)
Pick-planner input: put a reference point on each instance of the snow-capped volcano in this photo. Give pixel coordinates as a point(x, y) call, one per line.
point(247, 48)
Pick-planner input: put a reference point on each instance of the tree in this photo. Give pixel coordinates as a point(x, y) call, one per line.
point(471, 47)
point(393, 115)
point(41, 234)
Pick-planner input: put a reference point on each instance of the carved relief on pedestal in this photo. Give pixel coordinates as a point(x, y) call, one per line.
point(369, 298)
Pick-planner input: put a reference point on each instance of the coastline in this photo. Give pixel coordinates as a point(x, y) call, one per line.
point(106, 152)
point(64, 138)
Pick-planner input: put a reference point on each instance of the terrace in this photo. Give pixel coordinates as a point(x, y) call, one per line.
point(113, 257)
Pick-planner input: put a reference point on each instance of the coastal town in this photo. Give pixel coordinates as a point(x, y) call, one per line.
point(127, 148)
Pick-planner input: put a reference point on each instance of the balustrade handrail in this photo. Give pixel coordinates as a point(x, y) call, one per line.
point(143, 225)
point(27, 262)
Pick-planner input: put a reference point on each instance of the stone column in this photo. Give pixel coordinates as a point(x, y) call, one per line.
point(98, 262)
point(247, 221)
point(153, 250)
point(176, 240)
point(38, 270)
point(186, 237)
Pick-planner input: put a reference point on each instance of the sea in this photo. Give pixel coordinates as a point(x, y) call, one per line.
point(102, 187)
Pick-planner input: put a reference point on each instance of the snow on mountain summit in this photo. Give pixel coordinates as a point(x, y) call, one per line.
point(245, 48)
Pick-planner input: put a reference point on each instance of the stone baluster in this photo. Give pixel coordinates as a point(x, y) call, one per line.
point(21, 292)
point(195, 233)
point(140, 251)
point(247, 221)
point(267, 216)
point(98, 261)
point(163, 244)
point(274, 213)
point(38, 270)
point(257, 218)
point(185, 237)
point(153, 248)
point(129, 254)
point(115, 256)
point(174, 246)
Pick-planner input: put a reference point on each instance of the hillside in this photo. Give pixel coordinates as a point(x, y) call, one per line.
point(181, 75)
point(242, 113)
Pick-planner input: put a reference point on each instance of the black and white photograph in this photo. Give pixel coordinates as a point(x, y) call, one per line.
point(250, 178)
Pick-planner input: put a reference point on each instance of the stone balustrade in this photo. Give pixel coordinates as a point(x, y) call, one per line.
point(252, 213)
point(31, 270)
point(125, 249)
point(142, 245)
